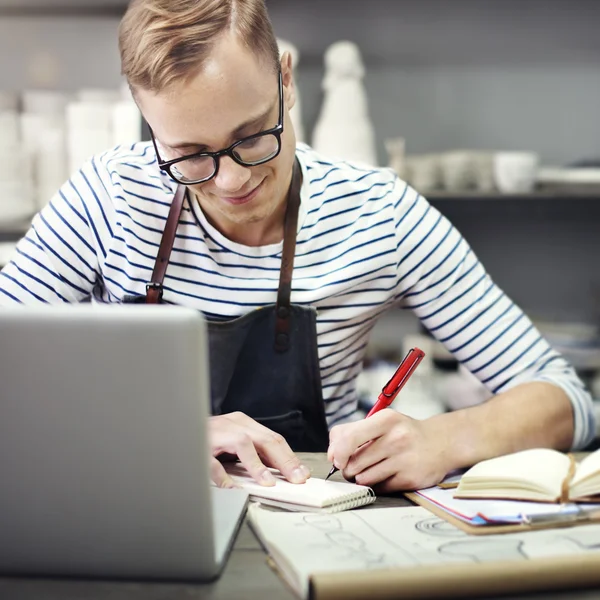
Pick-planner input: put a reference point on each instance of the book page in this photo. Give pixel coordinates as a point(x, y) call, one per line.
point(315, 493)
point(537, 473)
point(587, 477)
point(305, 544)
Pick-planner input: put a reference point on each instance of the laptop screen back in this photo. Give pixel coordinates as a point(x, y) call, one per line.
point(103, 444)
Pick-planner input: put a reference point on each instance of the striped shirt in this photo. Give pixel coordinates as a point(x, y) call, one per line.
point(366, 242)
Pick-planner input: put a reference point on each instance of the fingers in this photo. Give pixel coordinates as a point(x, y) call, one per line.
point(367, 455)
point(391, 484)
point(390, 451)
point(376, 474)
point(250, 441)
point(248, 456)
point(273, 449)
point(345, 440)
point(386, 478)
point(277, 453)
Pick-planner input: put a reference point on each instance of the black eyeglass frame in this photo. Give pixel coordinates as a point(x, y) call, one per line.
point(276, 131)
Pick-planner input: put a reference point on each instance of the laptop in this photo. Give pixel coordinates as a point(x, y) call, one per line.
point(104, 457)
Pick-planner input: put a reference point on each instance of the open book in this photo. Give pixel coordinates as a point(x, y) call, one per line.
point(316, 495)
point(538, 474)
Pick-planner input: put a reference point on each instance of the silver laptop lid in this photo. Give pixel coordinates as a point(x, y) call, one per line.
point(103, 444)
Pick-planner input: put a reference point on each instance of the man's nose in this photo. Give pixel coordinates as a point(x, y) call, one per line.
point(231, 176)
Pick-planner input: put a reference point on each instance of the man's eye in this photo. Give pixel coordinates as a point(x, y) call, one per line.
point(198, 160)
point(250, 143)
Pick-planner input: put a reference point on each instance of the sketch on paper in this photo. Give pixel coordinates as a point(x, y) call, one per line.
point(438, 527)
point(482, 550)
point(402, 537)
point(349, 545)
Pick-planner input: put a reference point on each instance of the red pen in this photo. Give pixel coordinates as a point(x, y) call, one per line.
point(392, 388)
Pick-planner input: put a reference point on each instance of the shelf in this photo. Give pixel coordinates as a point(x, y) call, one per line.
point(64, 12)
point(61, 8)
point(538, 195)
point(6, 251)
point(12, 232)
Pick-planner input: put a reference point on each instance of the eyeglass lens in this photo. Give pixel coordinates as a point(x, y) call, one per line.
point(250, 152)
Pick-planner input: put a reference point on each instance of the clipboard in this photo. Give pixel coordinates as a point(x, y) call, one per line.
point(535, 522)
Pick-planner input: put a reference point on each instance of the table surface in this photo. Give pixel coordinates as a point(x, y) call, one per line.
point(246, 575)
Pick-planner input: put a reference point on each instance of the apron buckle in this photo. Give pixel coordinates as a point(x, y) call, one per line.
point(154, 292)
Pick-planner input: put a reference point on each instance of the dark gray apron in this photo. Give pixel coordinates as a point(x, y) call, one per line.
point(265, 363)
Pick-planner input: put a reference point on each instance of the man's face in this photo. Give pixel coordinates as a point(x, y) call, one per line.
point(233, 97)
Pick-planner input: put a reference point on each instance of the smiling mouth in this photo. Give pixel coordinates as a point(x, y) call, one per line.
point(237, 200)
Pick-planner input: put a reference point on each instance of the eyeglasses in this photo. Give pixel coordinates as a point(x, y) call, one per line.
point(249, 152)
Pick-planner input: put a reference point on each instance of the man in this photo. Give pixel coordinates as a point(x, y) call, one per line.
point(285, 353)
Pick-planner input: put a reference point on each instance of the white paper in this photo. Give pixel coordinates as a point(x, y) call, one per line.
point(509, 510)
point(316, 493)
point(304, 544)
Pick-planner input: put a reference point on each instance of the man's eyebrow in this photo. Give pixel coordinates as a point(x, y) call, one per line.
point(252, 121)
point(237, 132)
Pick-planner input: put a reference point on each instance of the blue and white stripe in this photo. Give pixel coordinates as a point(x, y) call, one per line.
point(366, 242)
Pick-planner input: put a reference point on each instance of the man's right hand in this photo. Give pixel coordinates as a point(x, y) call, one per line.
point(256, 446)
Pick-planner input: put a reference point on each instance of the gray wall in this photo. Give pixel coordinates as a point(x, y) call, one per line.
point(543, 253)
point(499, 74)
point(489, 74)
point(66, 52)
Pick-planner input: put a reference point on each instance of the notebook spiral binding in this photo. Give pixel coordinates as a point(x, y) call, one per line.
point(352, 500)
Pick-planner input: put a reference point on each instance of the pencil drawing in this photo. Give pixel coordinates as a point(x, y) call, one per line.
point(483, 550)
point(584, 539)
point(353, 545)
point(438, 527)
point(434, 540)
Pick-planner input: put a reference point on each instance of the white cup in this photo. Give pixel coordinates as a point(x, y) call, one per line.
point(483, 171)
point(10, 134)
point(45, 102)
point(16, 186)
point(515, 172)
point(422, 171)
point(458, 170)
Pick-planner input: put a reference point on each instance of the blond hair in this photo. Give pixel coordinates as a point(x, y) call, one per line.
point(163, 42)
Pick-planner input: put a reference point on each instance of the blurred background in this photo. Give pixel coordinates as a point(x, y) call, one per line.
point(491, 108)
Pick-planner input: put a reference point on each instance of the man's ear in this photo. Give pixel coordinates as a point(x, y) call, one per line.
point(287, 74)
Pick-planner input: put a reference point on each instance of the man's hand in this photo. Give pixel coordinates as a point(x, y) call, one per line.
point(395, 452)
point(389, 450)
point(238, 434)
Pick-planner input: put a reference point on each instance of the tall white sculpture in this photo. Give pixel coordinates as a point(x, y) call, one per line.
point(296, 112)
point(344, 129)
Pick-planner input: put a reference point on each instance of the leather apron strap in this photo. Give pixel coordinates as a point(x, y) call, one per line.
point(154, 290)
point(282, 311)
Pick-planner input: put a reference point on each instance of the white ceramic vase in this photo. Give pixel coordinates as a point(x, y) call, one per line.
point(344, 129)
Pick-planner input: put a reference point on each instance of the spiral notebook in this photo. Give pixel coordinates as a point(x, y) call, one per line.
point(316, 495)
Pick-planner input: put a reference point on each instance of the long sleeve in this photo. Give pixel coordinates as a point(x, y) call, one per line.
point(446, 286)
point(58, 259)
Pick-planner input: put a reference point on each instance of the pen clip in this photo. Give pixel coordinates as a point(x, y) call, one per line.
point(403, 372)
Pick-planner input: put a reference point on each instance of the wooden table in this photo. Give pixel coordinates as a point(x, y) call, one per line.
point(246, 577)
